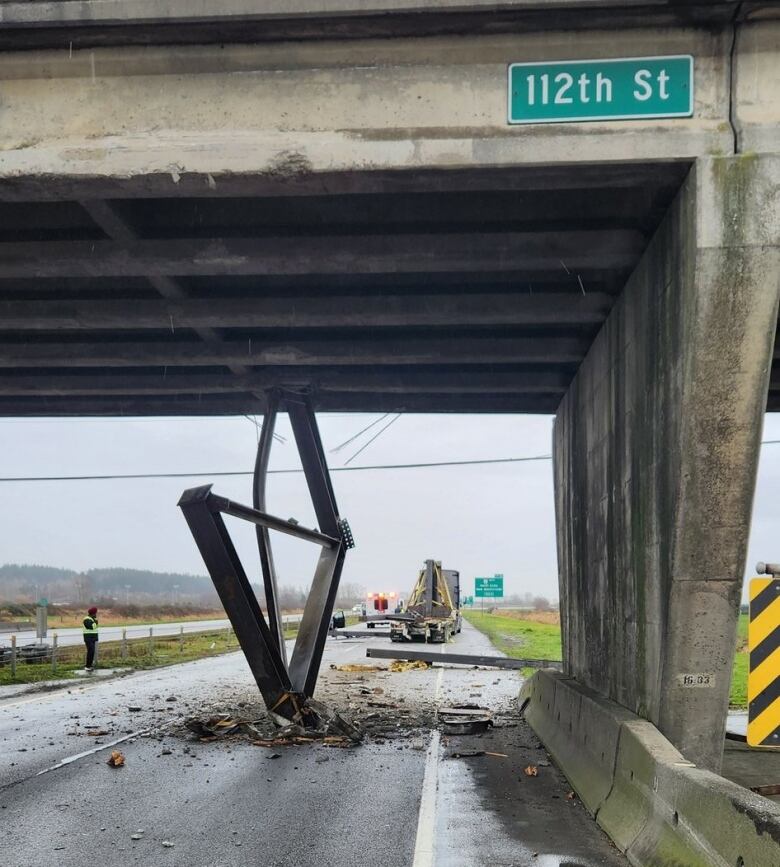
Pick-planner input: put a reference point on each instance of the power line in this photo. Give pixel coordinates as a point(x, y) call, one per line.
point(223, 473)
point(376, 421)
point(374, 437)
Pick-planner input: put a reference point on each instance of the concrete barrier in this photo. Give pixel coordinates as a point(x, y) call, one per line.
point(658, 808)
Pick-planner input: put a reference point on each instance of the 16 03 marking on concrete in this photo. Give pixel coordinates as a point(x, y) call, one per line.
point(764, 676)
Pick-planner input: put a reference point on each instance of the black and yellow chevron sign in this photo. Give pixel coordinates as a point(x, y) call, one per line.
point(764, 677)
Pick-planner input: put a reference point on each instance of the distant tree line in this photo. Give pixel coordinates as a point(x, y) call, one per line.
point(528, 600)
point(28, 582)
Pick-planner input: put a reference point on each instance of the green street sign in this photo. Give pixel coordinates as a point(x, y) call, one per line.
point(43, 602)
point(489, 588)
point(629, 88)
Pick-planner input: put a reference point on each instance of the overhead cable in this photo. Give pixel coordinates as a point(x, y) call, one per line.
point(222, 473)
point(374, 437)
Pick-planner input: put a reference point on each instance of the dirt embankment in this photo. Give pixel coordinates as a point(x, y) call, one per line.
point(64, 616)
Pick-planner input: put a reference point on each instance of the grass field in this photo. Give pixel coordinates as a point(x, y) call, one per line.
point(741, 660)
point(517, 635)
point(520, 634)
point(140, 653)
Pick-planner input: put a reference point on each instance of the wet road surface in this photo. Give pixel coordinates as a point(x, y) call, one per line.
point(400, 798)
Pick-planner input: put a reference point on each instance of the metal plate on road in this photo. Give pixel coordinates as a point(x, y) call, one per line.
point(489, 588)
point(631, 88)
point(764, 675)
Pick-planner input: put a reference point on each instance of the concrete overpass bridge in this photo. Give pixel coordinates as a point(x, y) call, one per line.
point(330, 197)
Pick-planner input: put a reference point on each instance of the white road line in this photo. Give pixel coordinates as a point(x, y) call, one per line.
point(97, 749)
point(70, 759)
point(426, 821)
point(437, 690)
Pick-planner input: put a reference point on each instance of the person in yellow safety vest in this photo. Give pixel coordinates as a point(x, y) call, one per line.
point(91, 636)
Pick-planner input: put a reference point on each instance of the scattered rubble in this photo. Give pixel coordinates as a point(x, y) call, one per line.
point(472, 754)
point(409, 665)
point(465, 719)
point(357, 666)
point(116, 760)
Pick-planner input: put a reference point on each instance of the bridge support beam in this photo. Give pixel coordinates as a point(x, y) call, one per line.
point(656, 449)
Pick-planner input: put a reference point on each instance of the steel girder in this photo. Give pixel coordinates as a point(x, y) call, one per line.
point(285, 688)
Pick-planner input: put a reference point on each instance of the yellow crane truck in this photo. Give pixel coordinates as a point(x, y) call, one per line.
point(433, 611)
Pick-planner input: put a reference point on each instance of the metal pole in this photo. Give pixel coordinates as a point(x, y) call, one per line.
point(151, 641)
point(124, 643)
point(181, 639)
point(267, 565)
point(13, 656)
point(54, 653)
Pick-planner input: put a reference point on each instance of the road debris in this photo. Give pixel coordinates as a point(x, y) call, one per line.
point(214, 727)
point(168, 844)
point(531, 771)
point(403, 665)
point(116, 760)
point(464, 719)
point(333, 731)
point(357, 666)
point(473, 754)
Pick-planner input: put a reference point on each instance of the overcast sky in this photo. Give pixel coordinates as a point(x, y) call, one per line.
point(480, 520)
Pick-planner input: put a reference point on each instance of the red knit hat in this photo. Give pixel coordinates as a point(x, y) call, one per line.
point(92, 611)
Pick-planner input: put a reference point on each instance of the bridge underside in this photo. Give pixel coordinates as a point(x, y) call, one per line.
point(435, 291)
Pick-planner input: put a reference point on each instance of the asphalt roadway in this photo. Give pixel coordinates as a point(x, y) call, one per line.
point(400, 798)
point(73, 635)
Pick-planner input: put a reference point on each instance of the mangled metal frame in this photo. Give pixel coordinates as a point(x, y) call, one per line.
point(286, 688)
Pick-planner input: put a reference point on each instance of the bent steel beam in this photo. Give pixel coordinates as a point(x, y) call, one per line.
point(263, 536)
point(285, 690)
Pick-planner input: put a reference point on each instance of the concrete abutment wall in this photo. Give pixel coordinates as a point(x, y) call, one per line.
point(656, 449)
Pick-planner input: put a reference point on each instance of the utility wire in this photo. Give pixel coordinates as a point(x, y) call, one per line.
point(223, 473)
point(374, 437)
point(258, 427)
point(420, 465)
point(338, 448)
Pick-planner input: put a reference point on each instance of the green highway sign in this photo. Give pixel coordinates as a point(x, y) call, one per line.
point(630, 88)
point(489, 588)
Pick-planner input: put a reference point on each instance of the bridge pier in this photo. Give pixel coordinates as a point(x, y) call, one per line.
point(656, 449)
